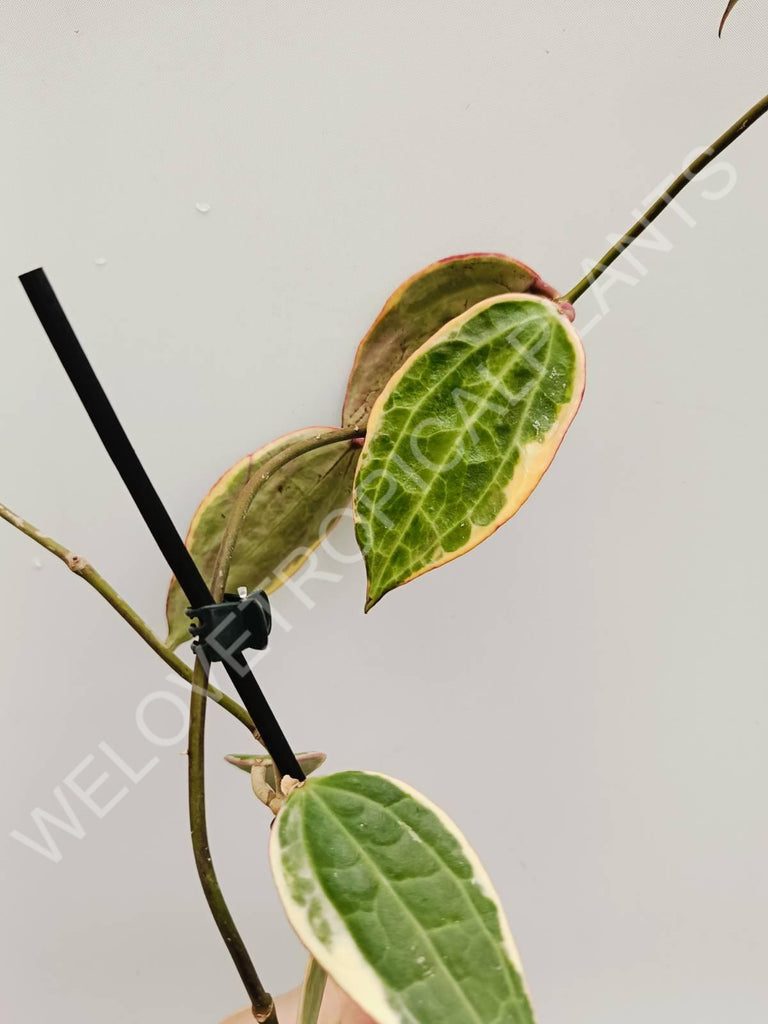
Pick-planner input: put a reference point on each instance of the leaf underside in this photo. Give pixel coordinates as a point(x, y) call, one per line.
point(289, 516)
point(462, 434)
point(389, 898)
point(421, 306)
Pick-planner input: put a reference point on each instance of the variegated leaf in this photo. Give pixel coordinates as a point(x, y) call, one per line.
point(462, 434)
point(390, 899)
point(420, 307)
point(290, 514)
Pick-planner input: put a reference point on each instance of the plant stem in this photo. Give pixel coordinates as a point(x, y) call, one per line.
point(312, 992)
point(663, 202)
point(261, 1000)
point(248, 491)
point(80, 567)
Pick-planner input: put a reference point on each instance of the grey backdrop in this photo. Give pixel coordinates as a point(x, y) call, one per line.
point(586, 692)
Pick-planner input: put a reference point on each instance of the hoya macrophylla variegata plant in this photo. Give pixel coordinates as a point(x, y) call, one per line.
point(460, 394)
point(392, 902)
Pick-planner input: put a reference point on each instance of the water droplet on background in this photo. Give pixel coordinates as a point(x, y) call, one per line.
point(203, 207)
point(100, 261)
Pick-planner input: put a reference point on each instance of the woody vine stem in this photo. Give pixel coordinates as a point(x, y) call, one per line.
point(261, 1001)
point(80, 567)
point(202, 691)
point(677, 186)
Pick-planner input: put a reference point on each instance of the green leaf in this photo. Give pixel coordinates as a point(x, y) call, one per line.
point(389, 898)
point(289, 516)
point(462, 434)
point(729, 8)
point(420, 307)
point(309, 763)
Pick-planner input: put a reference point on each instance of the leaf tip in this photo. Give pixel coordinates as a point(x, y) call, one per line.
point(372, 598)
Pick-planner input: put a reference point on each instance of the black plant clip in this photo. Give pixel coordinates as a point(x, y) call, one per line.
point(241, 621)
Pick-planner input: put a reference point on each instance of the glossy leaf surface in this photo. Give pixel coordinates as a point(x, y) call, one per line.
point(462, 434)
point(289, 516)
point(390, 899)
point(421, 306)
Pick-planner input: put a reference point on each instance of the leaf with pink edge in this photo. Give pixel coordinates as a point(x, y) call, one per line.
point(420, 307)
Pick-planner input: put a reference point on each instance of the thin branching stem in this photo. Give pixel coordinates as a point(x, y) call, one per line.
point(261, 1001)
point(663, 202)
point(80, 567)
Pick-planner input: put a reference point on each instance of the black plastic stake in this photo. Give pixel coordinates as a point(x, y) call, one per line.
point(115, 440)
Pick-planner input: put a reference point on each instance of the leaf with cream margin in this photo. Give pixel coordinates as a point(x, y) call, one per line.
point(729, 8)
point(421, 306)
point(389, 898)
point(290, 515)
point(462, 434)
point(309, 762)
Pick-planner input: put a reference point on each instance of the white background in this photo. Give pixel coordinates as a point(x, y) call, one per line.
point(585, 693)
